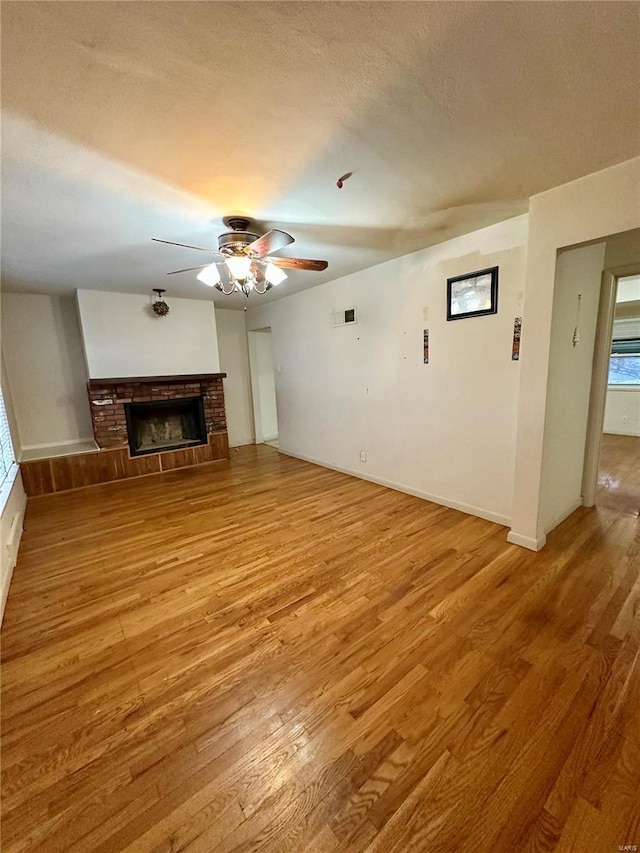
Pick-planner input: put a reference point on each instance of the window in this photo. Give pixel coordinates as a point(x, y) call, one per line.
point(624, 369)
point(8, 459)
point(624, 364)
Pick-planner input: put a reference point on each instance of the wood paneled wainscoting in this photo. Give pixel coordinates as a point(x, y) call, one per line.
point(61, 473)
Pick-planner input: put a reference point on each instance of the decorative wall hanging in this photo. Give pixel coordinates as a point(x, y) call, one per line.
point(576, 332)
point(159, 306)
point(472, 295)
point(517, 331)
point(425, 346)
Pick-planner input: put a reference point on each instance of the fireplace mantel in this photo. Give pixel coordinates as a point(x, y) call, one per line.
point(156, 380)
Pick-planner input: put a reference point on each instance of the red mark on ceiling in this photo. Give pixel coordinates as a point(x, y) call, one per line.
point(342, 179)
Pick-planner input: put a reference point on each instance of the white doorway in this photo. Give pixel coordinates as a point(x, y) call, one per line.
point(613, 436)
point(584, 305)
point(263, 387)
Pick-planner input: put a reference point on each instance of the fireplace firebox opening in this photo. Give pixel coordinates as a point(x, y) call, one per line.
point(165, 425)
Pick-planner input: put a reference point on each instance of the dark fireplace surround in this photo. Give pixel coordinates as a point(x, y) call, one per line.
point(154, 414)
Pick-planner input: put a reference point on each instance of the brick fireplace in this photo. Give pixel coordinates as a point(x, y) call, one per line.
point(197, 435)
point(110, 398)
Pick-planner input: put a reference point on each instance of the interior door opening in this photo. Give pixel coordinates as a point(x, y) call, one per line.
point(611, 476)
point(263, 387)
point(618, 483)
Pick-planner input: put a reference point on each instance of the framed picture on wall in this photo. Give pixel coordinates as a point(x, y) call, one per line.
point(472, 295)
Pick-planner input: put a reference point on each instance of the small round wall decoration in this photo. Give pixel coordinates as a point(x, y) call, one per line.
point(159, 306)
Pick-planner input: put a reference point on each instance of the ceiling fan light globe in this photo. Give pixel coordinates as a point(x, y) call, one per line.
point(209, 275)
point(274, 275)
point(239, 266)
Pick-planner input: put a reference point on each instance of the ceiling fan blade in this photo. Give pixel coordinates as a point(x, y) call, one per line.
point(299, 264)
point(268, 243)
point(185, 246)
point(188, 269)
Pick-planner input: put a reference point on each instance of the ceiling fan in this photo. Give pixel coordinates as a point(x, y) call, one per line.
point(245, 259)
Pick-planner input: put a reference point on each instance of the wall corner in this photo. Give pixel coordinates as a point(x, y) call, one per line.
point(529, 542)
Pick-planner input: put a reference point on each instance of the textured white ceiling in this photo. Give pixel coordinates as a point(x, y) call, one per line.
point(126, 121)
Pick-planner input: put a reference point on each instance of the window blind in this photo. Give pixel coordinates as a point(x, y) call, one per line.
point(7, 460)
point(626, 346)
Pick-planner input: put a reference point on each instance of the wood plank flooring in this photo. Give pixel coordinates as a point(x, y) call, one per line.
point(619, 473)
point(263, 655)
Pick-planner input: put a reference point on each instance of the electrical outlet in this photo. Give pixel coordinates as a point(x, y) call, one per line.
point(625, 419)
point(363, 456)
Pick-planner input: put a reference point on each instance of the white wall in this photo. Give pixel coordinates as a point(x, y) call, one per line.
point(123, 337)
point(42, 352)
point(14, 504)
point(234, 361)
point(578, 272)
point(445, 430)
point(622, 403)
point(629, 288)
point(263, 385)
point(591, 208)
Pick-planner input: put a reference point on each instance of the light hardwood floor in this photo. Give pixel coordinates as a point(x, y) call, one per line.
point(619, 474)
point(266, 655)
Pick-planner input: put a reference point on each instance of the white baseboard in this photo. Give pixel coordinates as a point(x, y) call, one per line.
point(12, 544)
point(564, 515)
point(632, 432)
point(469, 509)
point(536, 544)
point(526, 541)
point(242, 441)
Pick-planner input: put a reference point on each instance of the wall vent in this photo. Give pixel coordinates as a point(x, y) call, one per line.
point(345, 317)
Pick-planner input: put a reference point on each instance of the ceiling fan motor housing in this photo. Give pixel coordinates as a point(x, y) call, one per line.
point(234, 242)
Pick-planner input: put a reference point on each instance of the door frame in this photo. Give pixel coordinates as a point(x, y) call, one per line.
point(600, 376)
